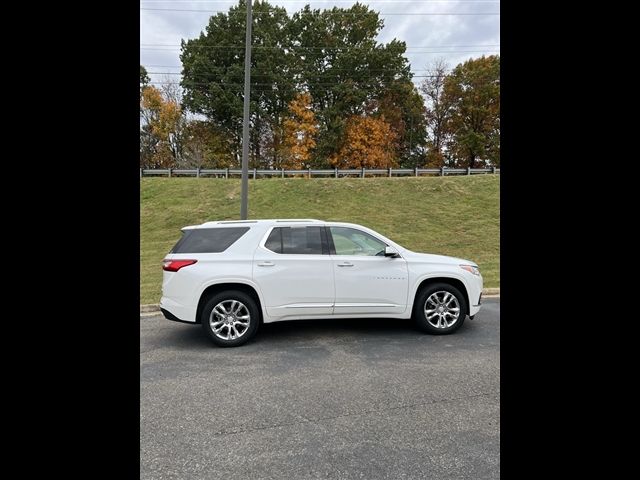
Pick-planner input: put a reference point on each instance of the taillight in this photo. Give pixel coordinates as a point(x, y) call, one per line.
point(175, 265)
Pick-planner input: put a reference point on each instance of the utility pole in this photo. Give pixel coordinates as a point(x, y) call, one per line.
point(245, 126)
point(411, 139)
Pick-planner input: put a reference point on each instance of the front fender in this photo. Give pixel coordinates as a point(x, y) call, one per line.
point(438, 274)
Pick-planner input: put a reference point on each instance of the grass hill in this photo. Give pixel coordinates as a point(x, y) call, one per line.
point(457, 216)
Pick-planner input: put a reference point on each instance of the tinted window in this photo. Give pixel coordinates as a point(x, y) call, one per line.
point(208, 240)
point(274, 242)
point(349, 241)
point(295, 240)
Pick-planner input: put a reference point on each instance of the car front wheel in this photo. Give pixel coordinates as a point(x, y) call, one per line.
point(230, 318)
point(440, 309)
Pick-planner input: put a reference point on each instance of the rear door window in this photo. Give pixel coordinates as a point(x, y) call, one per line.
point(297, 240)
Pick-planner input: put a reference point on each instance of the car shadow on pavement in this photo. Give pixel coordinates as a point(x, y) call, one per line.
point(361, 329)
point(331, 327)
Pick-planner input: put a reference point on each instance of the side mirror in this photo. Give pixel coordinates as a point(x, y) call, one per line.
point(391, 252)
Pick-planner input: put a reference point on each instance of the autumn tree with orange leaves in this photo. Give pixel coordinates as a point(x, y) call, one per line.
point(369, 142)
point(299, 132)
point(161, 130)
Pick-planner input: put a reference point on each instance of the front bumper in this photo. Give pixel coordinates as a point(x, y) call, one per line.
point(473, 310)
point(475, 294)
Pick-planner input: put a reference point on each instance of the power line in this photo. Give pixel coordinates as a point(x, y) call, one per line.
point(406, 53)
point(299, 47)
point(272, 84)
point(333, 1)
point(347, 49)
point(324, 13)
point(488, 51)
point(333, 69)
point(205, 75)
point(269, 74)
point(240, 85)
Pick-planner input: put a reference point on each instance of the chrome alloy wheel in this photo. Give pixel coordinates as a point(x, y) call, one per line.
point(442, 309)
point(229, 319)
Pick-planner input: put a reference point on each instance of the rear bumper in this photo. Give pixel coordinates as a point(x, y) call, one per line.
point(183, 313)
point(170, 316)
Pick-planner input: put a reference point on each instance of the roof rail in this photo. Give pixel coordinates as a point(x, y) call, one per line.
point(237, 221)
point(298, 220)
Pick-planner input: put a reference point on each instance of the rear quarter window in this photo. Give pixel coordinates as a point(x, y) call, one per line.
point(208, 240)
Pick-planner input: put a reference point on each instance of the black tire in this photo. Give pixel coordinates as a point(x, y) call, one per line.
point(230, 296)
point(420, 317)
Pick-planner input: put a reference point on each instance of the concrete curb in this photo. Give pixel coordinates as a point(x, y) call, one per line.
point(154, 308)
point(490, 292)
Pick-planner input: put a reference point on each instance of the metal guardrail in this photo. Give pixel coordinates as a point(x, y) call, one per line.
point(336, 173)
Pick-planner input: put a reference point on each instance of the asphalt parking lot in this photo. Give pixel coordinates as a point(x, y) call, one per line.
point(370, 398)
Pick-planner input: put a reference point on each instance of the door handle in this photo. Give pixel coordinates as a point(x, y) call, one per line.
point(345, 264)
point(266, 264)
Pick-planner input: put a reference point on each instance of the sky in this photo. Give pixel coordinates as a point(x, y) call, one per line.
point(425, 25)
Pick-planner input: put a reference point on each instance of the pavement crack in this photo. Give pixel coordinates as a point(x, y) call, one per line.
point(354, 414)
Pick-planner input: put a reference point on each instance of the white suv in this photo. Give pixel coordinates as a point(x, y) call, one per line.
point(230, 276)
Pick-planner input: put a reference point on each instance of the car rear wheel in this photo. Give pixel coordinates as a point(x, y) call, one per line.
point(230, 318)
point(440, 309)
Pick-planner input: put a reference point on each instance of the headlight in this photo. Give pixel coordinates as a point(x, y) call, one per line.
point(471, 269)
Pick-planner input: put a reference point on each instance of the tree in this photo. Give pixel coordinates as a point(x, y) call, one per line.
point(472, 93)
point(436, 114)
point(144, 78)
point(144, 82)
point(403, 108)
point(300, 129)
point(332, 54)
point(160, 131)
point(205, 147)
point(213, 74)
point(343, 67)
point(368, 143)
point(172, 95)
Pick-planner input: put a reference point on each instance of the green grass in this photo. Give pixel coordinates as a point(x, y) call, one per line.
point(457, 216)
